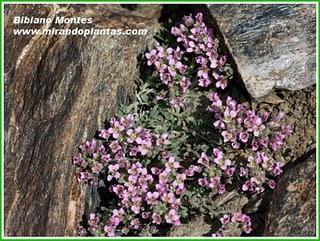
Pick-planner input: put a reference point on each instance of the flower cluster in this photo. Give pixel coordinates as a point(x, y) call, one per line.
point(171, 72)
point(158, 175)
point(234, 224)
point(215, 168)
point(262, 134)
point(148, 194)
point(196, 37)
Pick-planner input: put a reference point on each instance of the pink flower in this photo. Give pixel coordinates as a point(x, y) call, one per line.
point(222, 83)
point(218, 155)
point(152, 198)
point(203, 182)
point(113, 172)
point(172, 164)
point(166, 78)
point(225, 220)
point(168, 197)
point(185, 83)
point(221, 189)
point(163, 140)
point(104, 134)
point(152, 57)
point(275, 169)
point(135, 223)
point(156, 218)
point(177, 102)
point(93, 221)
point(226, 164)
point(230, 171)
point(243, 172)
point(109, 230)
point(244, 136)
point(248, 186)
point(172, 217)
point(115, 147)
point(272, 184)
point(227, 136)
point(204, 82)
point(204, 160)
point(116, 129)
point(214, 98)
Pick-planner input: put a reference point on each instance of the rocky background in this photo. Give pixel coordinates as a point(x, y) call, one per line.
point(59, 90)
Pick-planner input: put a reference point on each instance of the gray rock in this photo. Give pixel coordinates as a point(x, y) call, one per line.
point(293, 206)
point(197, 227)
point(273, 45)
point(58, 91)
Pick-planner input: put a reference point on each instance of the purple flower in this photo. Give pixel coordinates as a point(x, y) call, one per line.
point(272, 184)
point(145, 215)
point(203, 182)
point(166, 78)
point(204, 160)
point(287, 129)
point(172, 164)
point(230, 171)
point(113, 172)
point(248, 186)
point(152, 57)
point(104, 134)
point(275, 169)
point(89, 147)
point(116, 129)
point(221, 189)
point(93, 222)
point(156, 218)
point(244, 136)
point(243, 172)
point(203, 82)
point(109, 230)
point(115, 147)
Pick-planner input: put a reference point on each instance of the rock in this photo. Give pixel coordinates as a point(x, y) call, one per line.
point(58, 91)
point(300, 109)
point(197, 227)
point(293, 207)
point(273, 45)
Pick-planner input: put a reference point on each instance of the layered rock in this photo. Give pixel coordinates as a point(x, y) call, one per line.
point(300, 112)
point(273, 45)
point(293, 206)
point(58, 91)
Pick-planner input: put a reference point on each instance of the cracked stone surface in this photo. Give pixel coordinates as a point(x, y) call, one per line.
point(293, 206)
point(273, 45)
point(58, 91)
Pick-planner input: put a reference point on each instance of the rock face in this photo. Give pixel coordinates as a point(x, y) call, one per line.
point(197, 227)
point(273, 45)
point(293, 207)
point(300, 112)
point(58, 91)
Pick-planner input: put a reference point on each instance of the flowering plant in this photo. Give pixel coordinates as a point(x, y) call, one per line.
point(157, 174)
